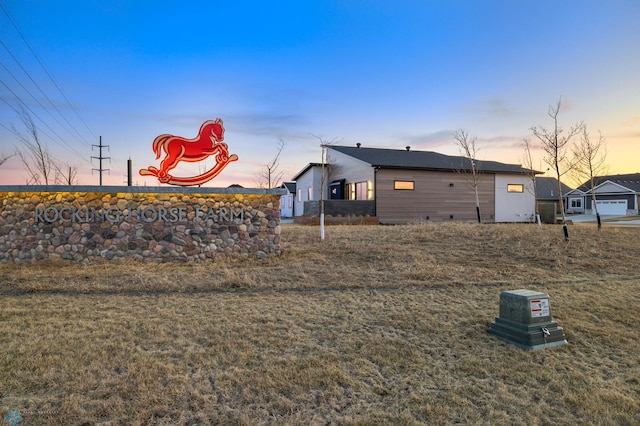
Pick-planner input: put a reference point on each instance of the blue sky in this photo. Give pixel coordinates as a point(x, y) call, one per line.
point(383, 73)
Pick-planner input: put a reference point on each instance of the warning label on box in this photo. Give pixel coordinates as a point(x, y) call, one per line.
point(539, 308)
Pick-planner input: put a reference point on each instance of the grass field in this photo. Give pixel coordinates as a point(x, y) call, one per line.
point(374, 325)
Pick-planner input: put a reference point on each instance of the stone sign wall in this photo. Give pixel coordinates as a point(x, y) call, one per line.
point(81, 224)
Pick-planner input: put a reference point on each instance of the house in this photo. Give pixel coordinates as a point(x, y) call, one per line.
point(286, 200)
point(547, 197)
point(309, 184)
point(616, 195)
point(405, 186)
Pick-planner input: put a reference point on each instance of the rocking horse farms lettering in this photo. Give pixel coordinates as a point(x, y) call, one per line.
point(208, 142)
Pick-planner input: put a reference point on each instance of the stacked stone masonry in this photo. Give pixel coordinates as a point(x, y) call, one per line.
point(147, 227)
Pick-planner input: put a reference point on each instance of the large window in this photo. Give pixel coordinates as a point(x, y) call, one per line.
point(404, 185)
point(361, 191)
point(515, 187)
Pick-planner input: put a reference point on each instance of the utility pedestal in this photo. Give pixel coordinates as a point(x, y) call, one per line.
point(525, 321)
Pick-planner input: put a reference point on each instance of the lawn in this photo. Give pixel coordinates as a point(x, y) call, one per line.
point(373, 325)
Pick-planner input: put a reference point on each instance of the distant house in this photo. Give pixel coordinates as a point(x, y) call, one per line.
point(308, 186)
point(405, 186)
point(286, 200)
point(547, 198)
point(616, 195)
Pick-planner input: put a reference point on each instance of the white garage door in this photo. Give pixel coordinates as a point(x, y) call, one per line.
point(612, 207)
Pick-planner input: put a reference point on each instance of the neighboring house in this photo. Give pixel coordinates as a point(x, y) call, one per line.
point(547, 190)
point(405, 186)
point(616, 195)
point(286, 201)
point(308, 183)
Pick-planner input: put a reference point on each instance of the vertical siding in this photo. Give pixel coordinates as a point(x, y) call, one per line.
point(433, 198)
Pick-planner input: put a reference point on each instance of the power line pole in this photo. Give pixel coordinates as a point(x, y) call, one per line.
point(100, 158)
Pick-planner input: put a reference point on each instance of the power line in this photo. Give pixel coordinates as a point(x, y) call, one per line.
point(32, 96)
point(41, 91)
point(21, 113)
point(33, 52)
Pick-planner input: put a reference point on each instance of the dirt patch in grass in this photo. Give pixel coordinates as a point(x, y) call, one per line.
point(374, 325)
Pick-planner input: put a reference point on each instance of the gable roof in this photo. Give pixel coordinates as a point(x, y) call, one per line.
point(631, 181)
point(547, 188)
point(306, 169)
point(289, 186)
point(423, 160)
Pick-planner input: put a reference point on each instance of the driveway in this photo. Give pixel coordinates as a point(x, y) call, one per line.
point(606, 219)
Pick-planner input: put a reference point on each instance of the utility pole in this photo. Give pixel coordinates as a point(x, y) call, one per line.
point(100, 158)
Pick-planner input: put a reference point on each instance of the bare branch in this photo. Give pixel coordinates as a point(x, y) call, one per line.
point(555, 144)
point(269, 175)
point(467, 145)
point(590, 162)
point(35, 156)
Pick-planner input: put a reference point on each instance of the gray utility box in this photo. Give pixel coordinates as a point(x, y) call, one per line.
point(525, 321)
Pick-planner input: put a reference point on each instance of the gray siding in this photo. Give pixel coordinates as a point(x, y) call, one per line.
point(342, 166)
point(433, 198)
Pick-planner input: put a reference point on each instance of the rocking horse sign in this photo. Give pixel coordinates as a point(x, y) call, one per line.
point(208, 142)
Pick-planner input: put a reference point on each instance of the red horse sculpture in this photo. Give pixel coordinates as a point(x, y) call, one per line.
point(207, 143)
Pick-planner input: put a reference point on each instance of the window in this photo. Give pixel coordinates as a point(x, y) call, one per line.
point(299, 194)
point(361, 191)
point(576, 203)
point(515, 187)
point(310, 193)
point(404, 185)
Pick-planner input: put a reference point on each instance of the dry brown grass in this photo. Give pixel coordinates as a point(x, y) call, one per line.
point(374, 325)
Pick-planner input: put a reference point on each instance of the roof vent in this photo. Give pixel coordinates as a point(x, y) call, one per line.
point(358, 144)
point(408, 148)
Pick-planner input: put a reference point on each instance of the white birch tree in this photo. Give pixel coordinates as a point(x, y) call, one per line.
point(556, 144)
point(590, 161)
point(467, 145)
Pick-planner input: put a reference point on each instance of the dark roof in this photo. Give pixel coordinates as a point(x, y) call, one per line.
point(631, 181)
point(547, 188)
point(426, 160)
point(290, 186)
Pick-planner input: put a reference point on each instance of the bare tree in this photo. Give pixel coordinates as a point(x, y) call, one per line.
point(590, 156)
point(527, 162)
point(67, 175)
point(270, 175)
point(326, 170)
point(556, 144)
point(38, 162)
point(467, 145)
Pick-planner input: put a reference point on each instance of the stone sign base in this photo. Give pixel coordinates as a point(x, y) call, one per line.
point(150, 224)
point(525, 321)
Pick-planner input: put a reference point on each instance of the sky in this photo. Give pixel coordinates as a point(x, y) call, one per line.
point(383, 73)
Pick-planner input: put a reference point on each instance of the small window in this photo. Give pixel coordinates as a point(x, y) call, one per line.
point(515, 187)
point(404, 185)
